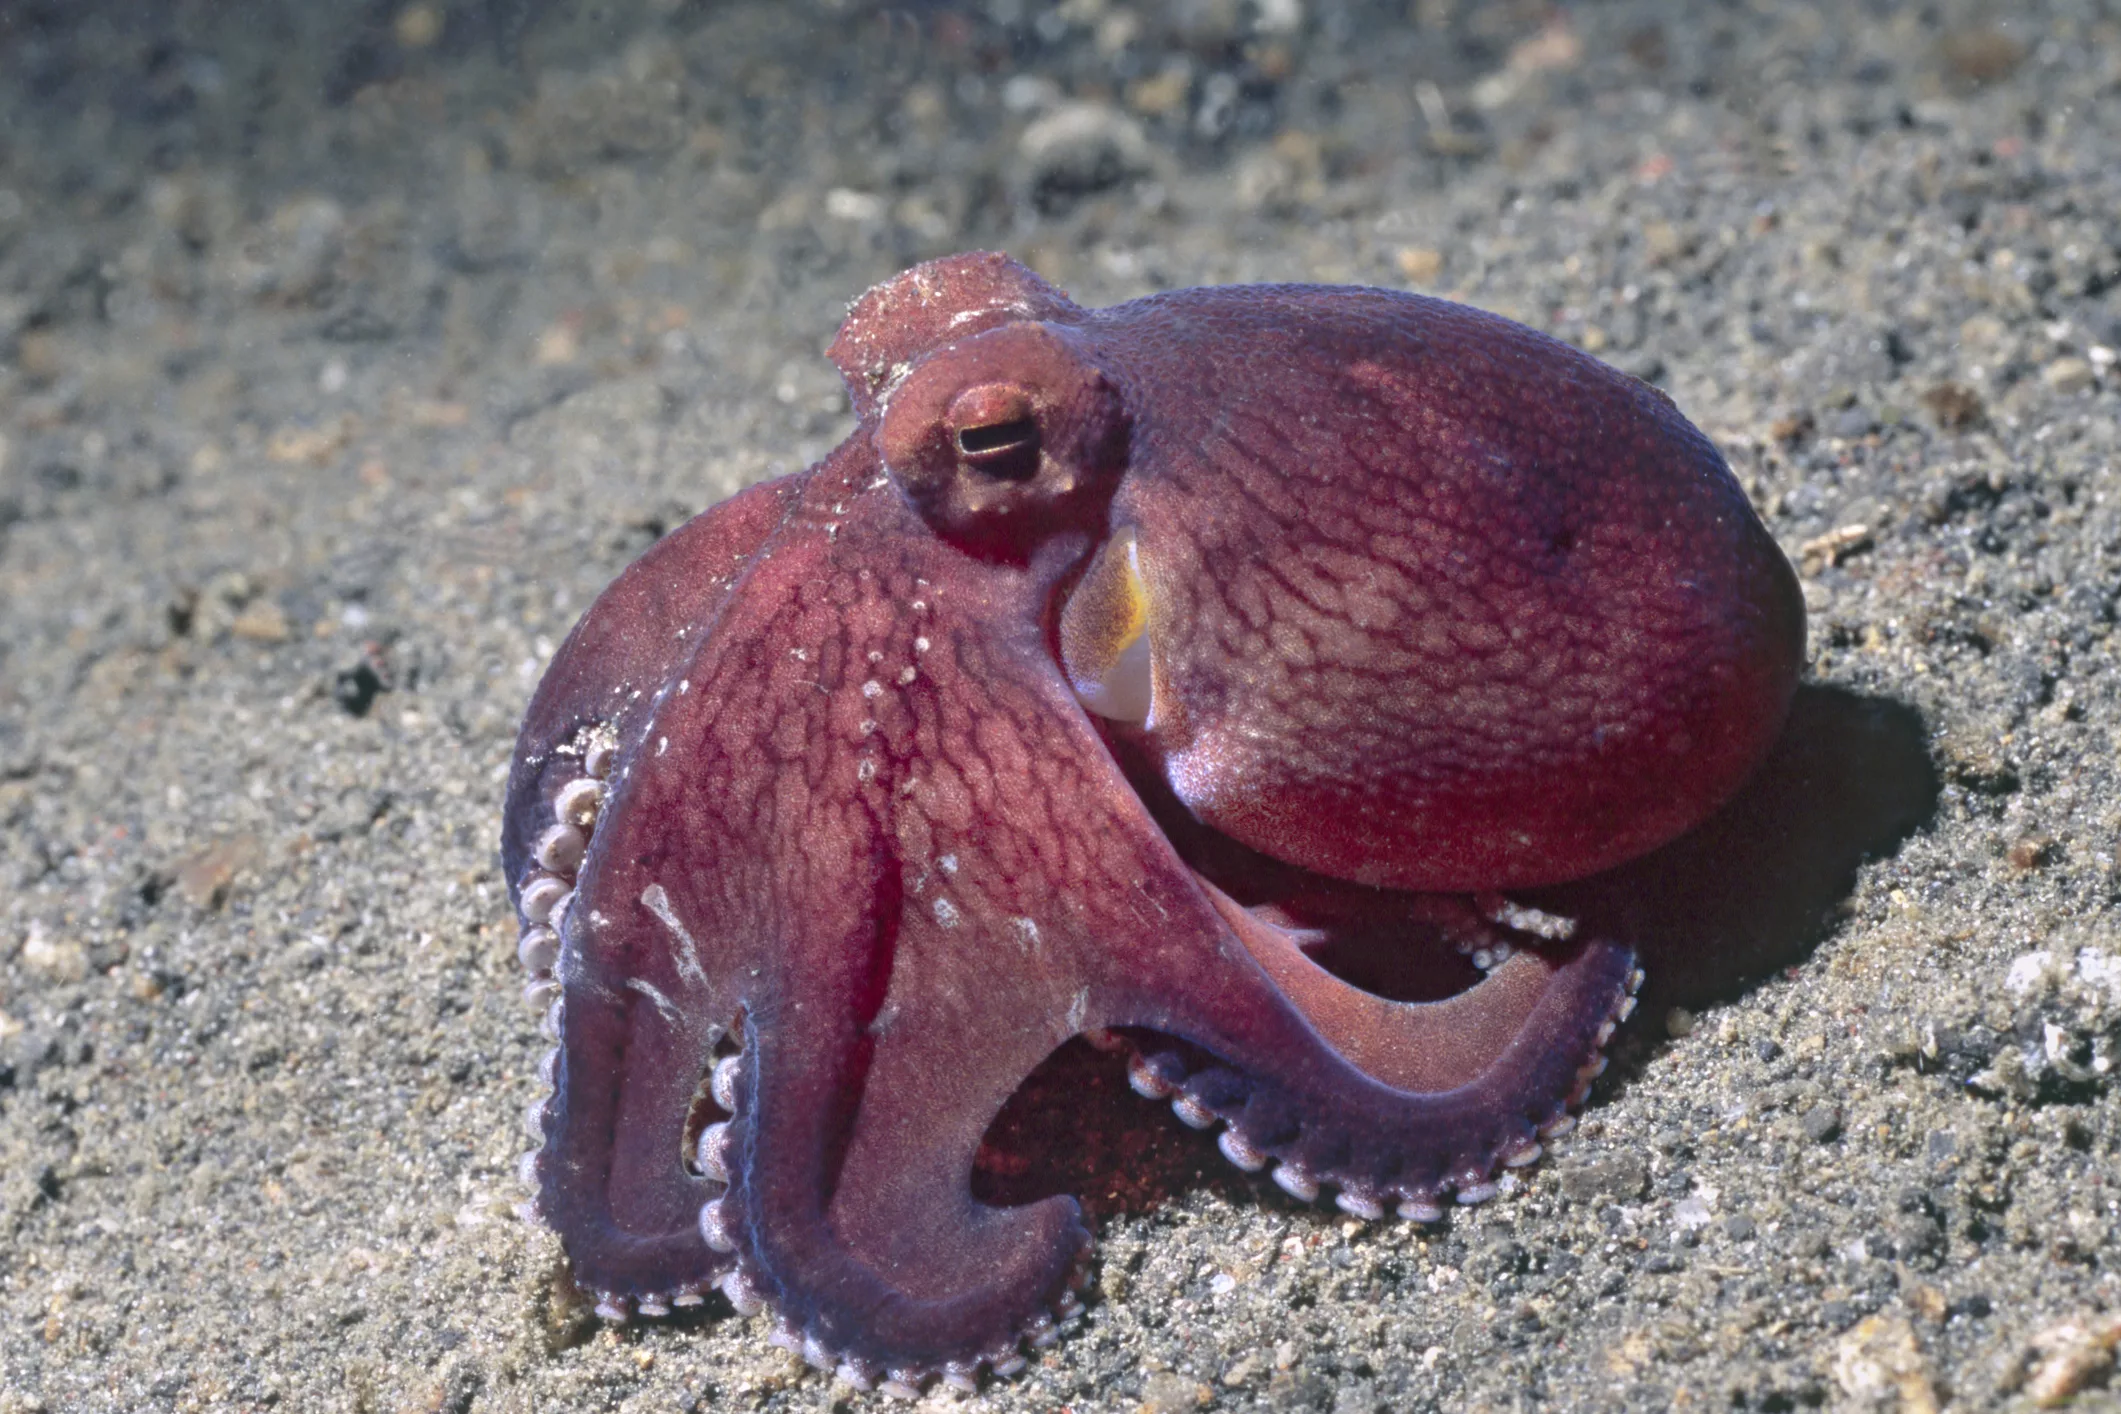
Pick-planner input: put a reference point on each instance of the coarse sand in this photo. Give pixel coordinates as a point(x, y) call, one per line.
point(346, 351)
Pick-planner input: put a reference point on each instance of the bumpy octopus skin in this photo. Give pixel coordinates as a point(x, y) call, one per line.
point(833, 817)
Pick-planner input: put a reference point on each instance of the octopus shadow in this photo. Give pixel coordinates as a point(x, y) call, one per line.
point(1752, 891)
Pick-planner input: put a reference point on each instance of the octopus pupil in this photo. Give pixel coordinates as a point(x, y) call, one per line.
point(1002, 449)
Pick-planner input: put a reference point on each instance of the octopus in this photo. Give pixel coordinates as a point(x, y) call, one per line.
point(1121, 675)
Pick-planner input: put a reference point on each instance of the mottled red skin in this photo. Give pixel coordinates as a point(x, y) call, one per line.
point(1439, 604)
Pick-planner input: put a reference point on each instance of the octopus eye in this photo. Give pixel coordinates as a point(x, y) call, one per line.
point(995, 429)
point(1006, 438)
point(1105, 640)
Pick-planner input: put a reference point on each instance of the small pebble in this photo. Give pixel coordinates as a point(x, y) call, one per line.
point(2078, 1354)
point(1080, 148)
point(263, 622)
point(1880, 1364)
point(2067, 375)
point(355, 689)
point(1955, 406)
point(2029, 852)
point(1982, 56)
point(1822, 1122)
point(1853, 422)
point(1168, 1393)
point(55, 959)
point(1418, 264)
point(417, 26)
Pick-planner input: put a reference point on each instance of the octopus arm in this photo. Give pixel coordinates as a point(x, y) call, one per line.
point(852, 1201)
point(629, 645)
point(1400, 1105)
point(614, 1180)
point(1001, 888)
point(640, 1020)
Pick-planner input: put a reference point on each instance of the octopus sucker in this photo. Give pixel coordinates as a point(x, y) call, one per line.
point(1156, 1077)
point(576, 803)
point(1358, 1203)
point(1192, 1112)
point(1524, 1156)
point(1150, 621)
point(743, 1292)
point(717, 1148)
point(727, 1071)
point(538, 949)
point(715, 1226)
point(538, 896)
point(1293, 1180)
point(1240, 1151)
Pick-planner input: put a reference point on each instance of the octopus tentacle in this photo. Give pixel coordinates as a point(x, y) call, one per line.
point(542, 900)
point(608, 1174)
point(855, 1222)
point(1398, 1105)
point(636, 1032)
point(1315, 1137)
point(838, 1191)
point(601, 683)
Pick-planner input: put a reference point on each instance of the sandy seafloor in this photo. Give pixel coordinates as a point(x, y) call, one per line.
point(350, 349)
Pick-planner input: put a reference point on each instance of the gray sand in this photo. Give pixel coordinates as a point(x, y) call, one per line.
point(349, 352)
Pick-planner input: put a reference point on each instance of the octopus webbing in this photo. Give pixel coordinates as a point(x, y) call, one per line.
point(1120, 670)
